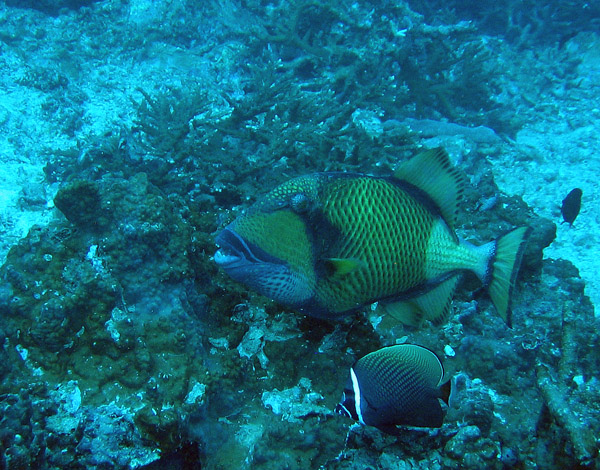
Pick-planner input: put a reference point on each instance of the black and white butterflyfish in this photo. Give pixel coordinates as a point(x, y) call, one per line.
point(399, 385)
point(328, 244)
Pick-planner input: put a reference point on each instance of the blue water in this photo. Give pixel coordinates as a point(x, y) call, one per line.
point(134, 131)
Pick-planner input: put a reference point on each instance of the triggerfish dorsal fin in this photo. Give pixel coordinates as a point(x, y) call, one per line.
point(432, 172)
point(433, 306)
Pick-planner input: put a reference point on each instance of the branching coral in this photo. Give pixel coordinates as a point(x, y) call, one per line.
point(521, 22)
point(166, 119)
point(308, 28)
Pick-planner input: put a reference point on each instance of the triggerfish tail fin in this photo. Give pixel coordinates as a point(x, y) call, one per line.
point(434, 306)
point(503, 269)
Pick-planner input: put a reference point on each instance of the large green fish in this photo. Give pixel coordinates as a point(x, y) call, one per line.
point(327, 244)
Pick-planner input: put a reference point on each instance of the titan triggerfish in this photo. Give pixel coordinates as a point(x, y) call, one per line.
point(328, 244)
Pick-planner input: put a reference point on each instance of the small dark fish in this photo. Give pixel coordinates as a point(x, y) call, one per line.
point(571, 206)
point(396, 385)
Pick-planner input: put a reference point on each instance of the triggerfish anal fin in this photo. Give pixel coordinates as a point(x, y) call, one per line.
point(437, 303)
point(432, 172)
point(402, 311)
point(433, 306)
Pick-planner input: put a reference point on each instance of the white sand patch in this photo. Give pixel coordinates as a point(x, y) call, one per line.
point(557, 153)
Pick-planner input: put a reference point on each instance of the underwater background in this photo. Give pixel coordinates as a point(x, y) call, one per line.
point(134, 131)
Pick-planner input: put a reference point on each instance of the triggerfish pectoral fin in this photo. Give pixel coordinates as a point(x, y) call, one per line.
point(434, 305)
point(504, 268)
point(342, 266)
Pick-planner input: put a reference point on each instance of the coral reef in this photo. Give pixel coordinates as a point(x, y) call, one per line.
point(51, 7)
point(123, 346)
point(524, 22)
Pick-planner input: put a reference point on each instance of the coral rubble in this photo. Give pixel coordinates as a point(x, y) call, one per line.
point(123, 346)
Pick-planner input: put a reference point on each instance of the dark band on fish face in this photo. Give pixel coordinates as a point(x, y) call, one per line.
point(250, 264)
point(347, 406)
point(229, 240)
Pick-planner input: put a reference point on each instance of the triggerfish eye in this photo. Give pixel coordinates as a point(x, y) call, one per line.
point(300, 203)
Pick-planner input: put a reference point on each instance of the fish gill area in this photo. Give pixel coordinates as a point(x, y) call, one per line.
point(134, 130)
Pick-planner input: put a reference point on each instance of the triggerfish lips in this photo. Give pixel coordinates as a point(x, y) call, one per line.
point(252, 266)
point(233, 251)
point(239, 258)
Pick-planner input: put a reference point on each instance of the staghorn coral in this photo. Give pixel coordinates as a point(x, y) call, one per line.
point(521, 22)
point(50, 7)
point(165, 119)
point(310, 29)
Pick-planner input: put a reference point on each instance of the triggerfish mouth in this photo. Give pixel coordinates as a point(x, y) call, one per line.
point(328, 244)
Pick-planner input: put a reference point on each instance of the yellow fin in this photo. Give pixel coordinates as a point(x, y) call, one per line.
point(433, 306)
point(432, 172)
point(504, 269)
point(342, 266)
point(404, 311)
point(438, 301)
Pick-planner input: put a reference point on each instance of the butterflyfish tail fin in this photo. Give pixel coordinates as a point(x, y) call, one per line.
point(446, 391)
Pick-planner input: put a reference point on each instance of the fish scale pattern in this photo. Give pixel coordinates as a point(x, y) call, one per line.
point(282, 232)
point(381, 225)
point(283, 194)
point(382, 376)
point(412, 369)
